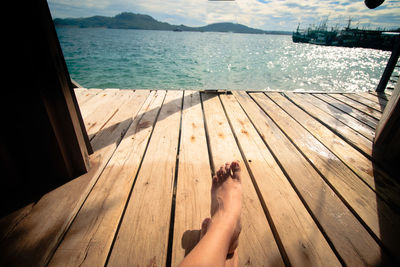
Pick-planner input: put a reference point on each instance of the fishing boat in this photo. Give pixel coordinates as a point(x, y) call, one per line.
point(301, 36)
point(347, 37)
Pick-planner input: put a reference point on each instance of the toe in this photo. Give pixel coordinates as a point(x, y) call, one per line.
point(227, 170)
point(215, 180)
point(221, 174)
point(235, 168)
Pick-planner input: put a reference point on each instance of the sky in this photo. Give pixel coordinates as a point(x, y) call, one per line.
point(261, 14)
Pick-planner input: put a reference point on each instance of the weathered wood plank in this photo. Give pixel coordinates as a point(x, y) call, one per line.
point(387, 141)
point(142, 238)
point(84, 95)
point(355, 113)
point(90, 236)
point(357, 105)
point(328, 114)
point(194, 179)
point(384, 95)
point(371, 174)
point(80, 93)
point(257, 245)
point(390, 87)
point(351, 240)
point(354, 191)
point(365, 101)
point(302, 240)
point(338, 127)
point(387, 116)
point(388, 91)
point(10, 221)
point(105, 111)
point(79, 88)
point(30, 240)
point(97, 106)
point(98, 100)
point(375, 98)
point(33, 240)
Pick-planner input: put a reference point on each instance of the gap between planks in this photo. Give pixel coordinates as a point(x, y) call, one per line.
point(349, 248)
point(283, 207)
point(258, 246)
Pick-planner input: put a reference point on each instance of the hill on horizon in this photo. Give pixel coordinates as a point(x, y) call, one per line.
point(128, 20)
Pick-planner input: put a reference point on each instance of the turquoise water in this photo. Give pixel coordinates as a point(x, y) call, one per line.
point(112, 58)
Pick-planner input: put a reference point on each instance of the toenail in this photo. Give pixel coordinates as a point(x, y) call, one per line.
point(215, 179)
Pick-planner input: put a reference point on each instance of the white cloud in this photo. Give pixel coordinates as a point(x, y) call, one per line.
point(268, 15)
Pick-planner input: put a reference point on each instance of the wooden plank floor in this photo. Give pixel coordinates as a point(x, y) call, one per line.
point(313, 196)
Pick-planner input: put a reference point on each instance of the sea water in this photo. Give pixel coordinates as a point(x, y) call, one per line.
point(114, 58)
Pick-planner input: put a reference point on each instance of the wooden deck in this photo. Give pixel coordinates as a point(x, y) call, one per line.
point(312, 194)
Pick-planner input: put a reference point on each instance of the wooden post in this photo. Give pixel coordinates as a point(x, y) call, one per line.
point(389, 67)
point(387, 135)
point(43, 142)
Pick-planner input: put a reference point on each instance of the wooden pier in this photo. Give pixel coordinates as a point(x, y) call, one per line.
point(313, 196)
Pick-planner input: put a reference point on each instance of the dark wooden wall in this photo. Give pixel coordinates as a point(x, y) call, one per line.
point(43, 143)
point(387, 135)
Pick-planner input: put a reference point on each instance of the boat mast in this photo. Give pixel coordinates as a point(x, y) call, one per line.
point(348, 24)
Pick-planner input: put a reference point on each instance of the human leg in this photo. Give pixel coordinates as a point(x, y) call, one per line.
point(223, 229)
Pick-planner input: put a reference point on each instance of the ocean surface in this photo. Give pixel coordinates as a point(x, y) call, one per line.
point(140, 59)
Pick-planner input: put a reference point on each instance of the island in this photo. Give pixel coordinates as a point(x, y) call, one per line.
point(128, 20)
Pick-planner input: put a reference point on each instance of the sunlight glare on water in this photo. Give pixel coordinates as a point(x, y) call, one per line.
point(111, 58)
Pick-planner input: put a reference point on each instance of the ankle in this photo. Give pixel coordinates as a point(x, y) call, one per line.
point(224, 222)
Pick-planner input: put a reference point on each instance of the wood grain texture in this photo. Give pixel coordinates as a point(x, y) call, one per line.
point(355, 113)
point(325, 112)
point(387, 124)
point(367, 102)
point(378, 98)
point(193, 197)
point(357, 194)
point(303, 242)
point(387, 144)
point(384, 95)
point(351, 240)
point(299, 191)
point(84, 95)
point(336, 126)
point(33, 240)
point(371, 174)
point(257, 245)
point(104, 112)
point(357, 105)
point(99, 111)
point(98, 219)
point(143, 234)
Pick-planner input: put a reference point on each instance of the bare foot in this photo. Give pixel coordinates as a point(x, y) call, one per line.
point(219, 235)
point(226, 200)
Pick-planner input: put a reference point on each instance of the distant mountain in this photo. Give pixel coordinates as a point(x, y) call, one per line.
point(228, 27)
point(127, 20)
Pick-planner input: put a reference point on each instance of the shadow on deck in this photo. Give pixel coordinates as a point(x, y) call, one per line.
point(312, 193)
